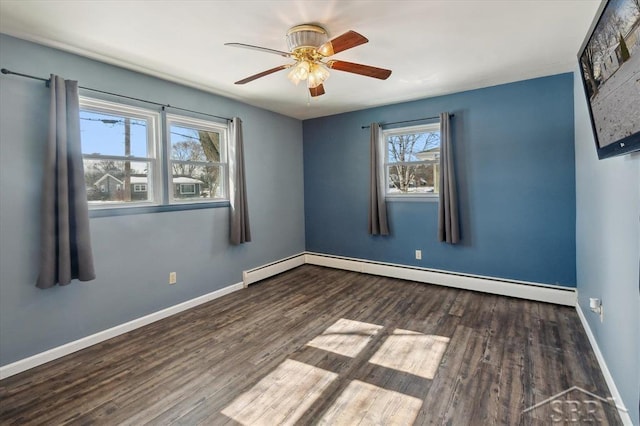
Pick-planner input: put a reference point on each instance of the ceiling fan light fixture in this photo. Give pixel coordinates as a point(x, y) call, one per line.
point(313, 82)
point(317, 75)
point(299, 72)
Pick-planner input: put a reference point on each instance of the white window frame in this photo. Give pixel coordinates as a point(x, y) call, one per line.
point(198, 124)
point(154, 152)
point(409, 196)
point(139, 187)
point(160, 177)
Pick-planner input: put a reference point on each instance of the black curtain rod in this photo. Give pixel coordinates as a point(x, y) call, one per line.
point(46, 80)
point(407, 121)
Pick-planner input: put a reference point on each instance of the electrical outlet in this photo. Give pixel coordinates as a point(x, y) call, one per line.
point(418, 254)
point(172, 277)
point(596, 306)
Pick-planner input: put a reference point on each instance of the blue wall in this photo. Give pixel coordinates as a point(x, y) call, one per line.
point(514, 153)
point(607, 253)
point(133, 254)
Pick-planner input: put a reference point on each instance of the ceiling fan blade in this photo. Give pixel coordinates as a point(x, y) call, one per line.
point(316, 91)
point(258, 48)
point(354, 68)
point(262, 74)
point(343, 42)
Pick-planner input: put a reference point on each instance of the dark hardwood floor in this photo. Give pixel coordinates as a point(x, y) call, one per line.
point(322, 346)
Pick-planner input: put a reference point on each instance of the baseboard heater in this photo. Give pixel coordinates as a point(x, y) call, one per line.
point(504, 287)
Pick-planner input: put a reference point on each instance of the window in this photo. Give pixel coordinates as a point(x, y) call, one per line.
point(119, 150)
point(187, 188)
point(197, 159)
point(412, 160)
point(127, 162)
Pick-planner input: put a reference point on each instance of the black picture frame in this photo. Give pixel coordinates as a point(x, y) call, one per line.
point(605, 63)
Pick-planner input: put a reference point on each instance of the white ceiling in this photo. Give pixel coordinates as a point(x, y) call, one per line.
point(433, 47)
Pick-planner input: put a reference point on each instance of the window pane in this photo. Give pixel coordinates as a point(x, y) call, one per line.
point(418, 146)
point(192, 182)
point(110, 182)
point(189, 144)
point(412, 179)
point(108, 134)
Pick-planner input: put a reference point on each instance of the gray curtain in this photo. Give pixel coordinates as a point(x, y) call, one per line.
point(240, 231)
point(448, 223)
point(65, 242)
point(378, 224)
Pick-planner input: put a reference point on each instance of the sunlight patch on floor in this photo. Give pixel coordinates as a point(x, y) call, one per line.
point(282, 396)
point(411, 352)
point(366, 404)
point(345, 337)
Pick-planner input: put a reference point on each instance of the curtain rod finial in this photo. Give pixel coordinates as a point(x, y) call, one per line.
point(5, 71)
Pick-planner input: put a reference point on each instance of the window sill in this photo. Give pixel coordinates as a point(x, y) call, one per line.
point(125, 210)
point(413, 198)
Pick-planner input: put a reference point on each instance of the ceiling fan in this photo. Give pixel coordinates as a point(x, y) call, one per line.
point(309, 48)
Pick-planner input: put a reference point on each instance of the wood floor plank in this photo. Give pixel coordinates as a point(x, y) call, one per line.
point(456, 388)
point(317, 345)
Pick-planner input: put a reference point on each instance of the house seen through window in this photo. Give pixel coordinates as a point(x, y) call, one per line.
point(412, 160)
point(128, 162)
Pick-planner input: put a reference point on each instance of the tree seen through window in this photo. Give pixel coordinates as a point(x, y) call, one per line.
point(412, 160)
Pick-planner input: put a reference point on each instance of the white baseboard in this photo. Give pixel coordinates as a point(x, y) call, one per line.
point(71, 347)
point(624, 413)
point(520, 289)
point(265, 271)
